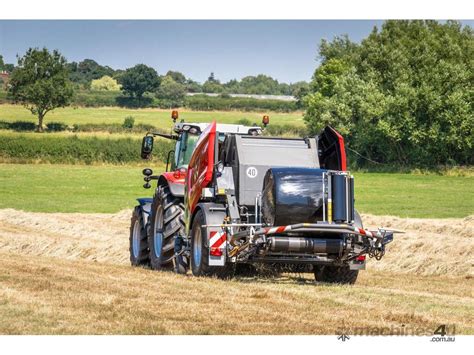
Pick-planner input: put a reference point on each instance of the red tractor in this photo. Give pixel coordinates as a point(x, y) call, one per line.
point(234, 198)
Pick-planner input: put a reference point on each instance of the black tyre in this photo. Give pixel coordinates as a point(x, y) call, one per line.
point(336, 274)
point(200, 252)
point(166, 222)
point(246, 270)
point(138, 240)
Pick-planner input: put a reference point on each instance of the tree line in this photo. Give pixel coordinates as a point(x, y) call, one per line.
point(170, 89)
point(90, 75)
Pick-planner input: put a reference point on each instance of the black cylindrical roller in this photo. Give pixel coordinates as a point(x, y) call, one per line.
point(292, 195)
point(305, 245)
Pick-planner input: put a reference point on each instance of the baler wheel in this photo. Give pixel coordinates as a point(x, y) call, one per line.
point(200, 252)
point(336, 274)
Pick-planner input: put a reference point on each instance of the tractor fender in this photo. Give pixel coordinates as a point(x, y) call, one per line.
point(176, 186)
point(213, 214)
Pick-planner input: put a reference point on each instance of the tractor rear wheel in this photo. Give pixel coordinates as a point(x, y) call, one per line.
point(200, 252)
point(167, 221)
point(138, 239)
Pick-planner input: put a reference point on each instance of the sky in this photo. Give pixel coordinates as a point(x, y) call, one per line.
point(285, 50)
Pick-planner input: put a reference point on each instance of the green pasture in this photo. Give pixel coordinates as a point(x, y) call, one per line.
point(107, 188)
point(157, 117)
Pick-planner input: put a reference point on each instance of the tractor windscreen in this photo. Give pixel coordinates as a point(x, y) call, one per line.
point(185, 148)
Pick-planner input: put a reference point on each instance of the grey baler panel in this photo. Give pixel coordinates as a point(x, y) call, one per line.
point(256, 155)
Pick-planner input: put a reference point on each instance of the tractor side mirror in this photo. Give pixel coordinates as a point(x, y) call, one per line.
point(147, 147)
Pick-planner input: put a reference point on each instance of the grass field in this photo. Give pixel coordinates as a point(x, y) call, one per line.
point(65, 273)
point(156, 117)
point(41, 295)
point(76, 188)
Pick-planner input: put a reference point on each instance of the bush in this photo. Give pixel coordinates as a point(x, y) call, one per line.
point(72, 149)
point(106, 83)
point(3, 96)
point(56, 127)
point(244, 122)
point(112, 128)
point(95, 98)
point(286, 130)
point(209, 103)
point(128, 122)
point(132, 102)
point(198, 102)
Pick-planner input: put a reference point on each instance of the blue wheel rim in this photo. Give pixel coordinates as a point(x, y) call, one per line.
point(197, 247)
point(158, 244)
point(136, 239)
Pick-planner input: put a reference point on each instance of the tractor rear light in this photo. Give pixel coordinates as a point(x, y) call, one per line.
point(361, 258)
point(215, 252)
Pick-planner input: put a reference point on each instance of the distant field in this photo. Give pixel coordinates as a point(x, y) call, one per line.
point(409, 195)
point(76, 188)
point(68, 188)
point(156, 117)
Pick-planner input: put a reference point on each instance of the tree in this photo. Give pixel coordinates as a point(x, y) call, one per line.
point(403, 96)
point(232, 86)
point(5, 66)
point(212, 85)
point(193, 86)
point(177, 76)
point(87, 70)
point(40, 82)
point(299, 90)
point(106, 83)
point(138, 80)
point(171, 93)
point(212, 78)
point(260, 84)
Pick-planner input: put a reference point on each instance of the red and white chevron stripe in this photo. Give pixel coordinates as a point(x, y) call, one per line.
point(280, 229)
point(217, 243)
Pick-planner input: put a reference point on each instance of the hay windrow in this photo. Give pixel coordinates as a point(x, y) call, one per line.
point(429, 246)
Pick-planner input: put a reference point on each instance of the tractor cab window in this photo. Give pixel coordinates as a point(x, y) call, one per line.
point(184, 148)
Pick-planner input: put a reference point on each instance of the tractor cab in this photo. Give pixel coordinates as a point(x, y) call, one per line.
point(186, 135)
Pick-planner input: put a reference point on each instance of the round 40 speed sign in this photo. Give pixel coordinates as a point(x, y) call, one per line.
point(252, 172)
